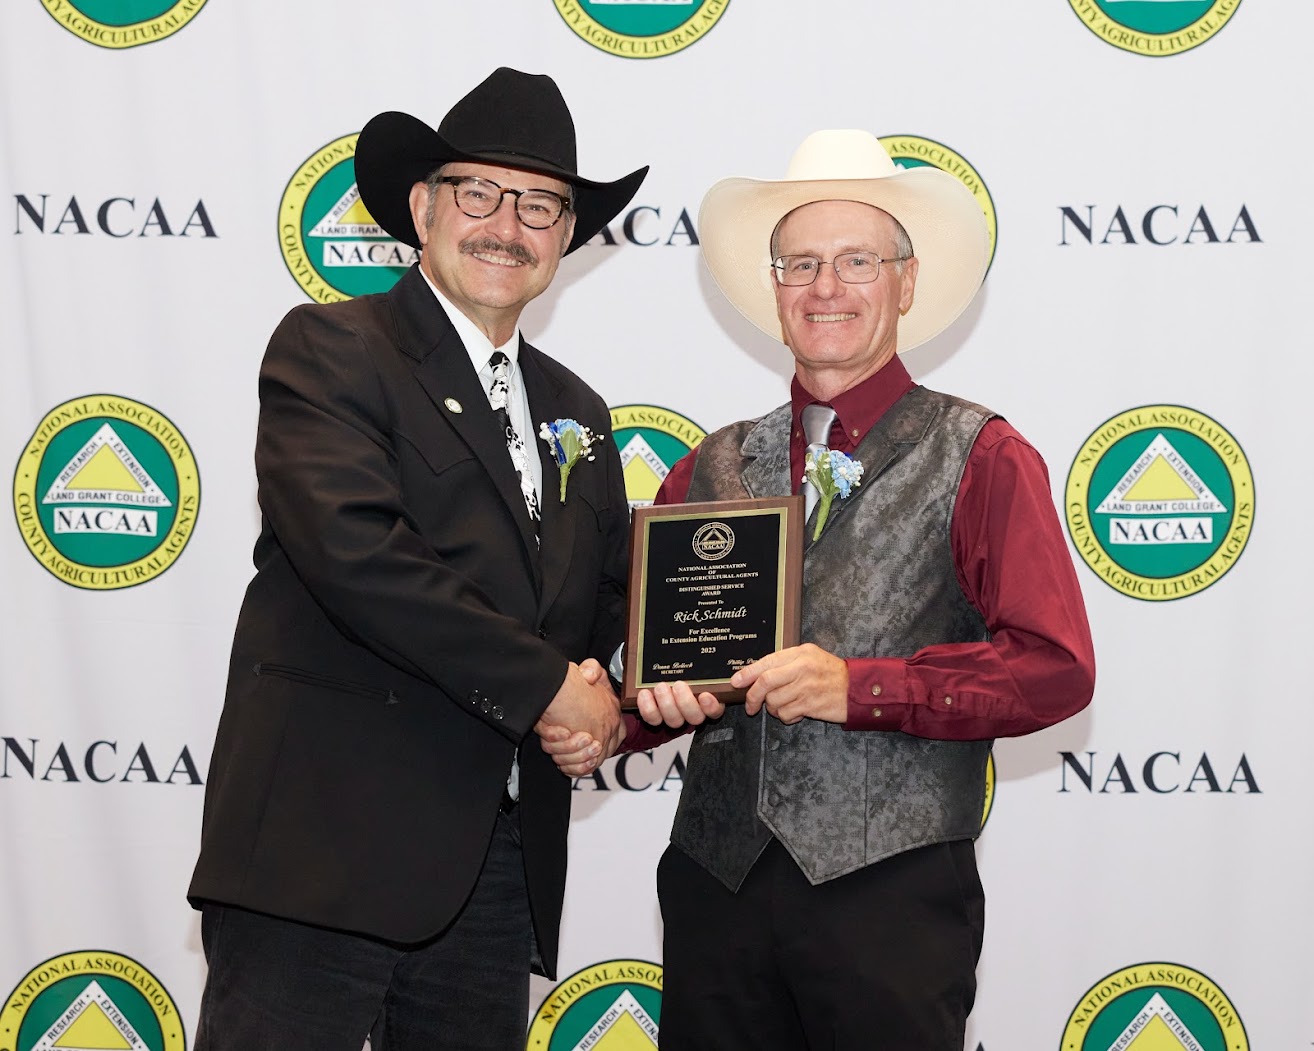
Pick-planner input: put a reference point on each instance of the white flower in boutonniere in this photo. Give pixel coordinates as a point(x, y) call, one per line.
point(569, 442)
point(834, 474)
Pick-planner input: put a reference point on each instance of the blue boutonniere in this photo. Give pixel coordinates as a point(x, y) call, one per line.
point(834, 474)
point(570, 442)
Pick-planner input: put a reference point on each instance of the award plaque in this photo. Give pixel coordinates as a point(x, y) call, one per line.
point(713, 587)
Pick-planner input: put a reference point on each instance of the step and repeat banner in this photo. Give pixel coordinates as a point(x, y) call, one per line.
point(177, 174)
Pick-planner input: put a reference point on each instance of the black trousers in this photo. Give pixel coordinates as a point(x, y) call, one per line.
point(276, 985)
point(883, 959)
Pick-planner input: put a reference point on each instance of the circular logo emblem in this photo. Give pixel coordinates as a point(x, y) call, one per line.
point(650, 439)
point(106, 492)
point(1155, 1005)
point(1160, 502)
point(912, 151)
point(90, 1000)
point(118, 24)
point(1157, 28)
point(332, 246)
point(641, 28)
point(617, 1004)
point(713, 541)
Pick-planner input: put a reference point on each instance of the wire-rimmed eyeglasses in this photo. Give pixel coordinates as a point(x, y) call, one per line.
point(479, 198)
point(853, 268)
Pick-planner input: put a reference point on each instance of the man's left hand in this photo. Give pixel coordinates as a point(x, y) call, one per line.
point(802, 682)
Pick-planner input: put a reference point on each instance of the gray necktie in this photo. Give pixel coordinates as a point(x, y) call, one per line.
point(817, 420)
point(498, 391)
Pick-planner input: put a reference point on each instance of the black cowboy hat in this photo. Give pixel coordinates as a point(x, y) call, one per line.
point(513, 119)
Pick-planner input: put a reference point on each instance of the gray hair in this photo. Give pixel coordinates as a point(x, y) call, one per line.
point(431, 183)
point(903, 246)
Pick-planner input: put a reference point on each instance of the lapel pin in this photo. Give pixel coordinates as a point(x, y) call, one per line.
point(452, 405)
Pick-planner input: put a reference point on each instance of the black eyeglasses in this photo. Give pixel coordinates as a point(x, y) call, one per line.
point(853, 268)
point(479, 198)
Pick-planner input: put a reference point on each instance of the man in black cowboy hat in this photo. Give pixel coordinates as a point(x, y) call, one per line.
point(384, 841)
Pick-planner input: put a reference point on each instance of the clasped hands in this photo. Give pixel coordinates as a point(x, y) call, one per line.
point(801, 682)
point(582, 725)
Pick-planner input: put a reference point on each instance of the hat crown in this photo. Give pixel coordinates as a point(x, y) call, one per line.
point(840, 154)
point(517, 114)
point(512, 120)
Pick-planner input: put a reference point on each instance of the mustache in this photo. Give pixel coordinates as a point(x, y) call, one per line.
point(514, 249)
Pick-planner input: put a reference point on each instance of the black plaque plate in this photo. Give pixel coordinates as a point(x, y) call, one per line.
point(713, 587)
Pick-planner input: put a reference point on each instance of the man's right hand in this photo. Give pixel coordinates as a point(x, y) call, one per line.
point(585, 712)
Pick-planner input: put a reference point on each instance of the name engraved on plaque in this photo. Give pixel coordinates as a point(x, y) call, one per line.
point(711, 591)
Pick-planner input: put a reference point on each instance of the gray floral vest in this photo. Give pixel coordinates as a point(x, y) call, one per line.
point(880, 582)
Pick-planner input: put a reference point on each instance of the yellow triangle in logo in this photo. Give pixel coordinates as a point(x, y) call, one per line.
point(104, 471)
point(93, 1031)
point(357, 213)
point(624, 1034)
point(1160, 481)
point(641, 481)
point(1156, 1036)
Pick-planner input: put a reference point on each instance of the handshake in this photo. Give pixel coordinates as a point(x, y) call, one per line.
point(582, 725)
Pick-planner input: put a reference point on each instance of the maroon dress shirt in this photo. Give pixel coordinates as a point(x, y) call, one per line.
point(1012, 563)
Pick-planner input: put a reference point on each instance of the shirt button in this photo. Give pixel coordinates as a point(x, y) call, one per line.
point(773, 799)
point(948, 700)
point(875, 690)
point(875, 713)
point(497, 711)
point(854, 432)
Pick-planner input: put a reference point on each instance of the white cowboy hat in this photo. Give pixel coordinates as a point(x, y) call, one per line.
point(947, 227)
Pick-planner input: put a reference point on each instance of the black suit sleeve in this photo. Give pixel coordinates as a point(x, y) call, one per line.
point(330, 492)
point(609, 617)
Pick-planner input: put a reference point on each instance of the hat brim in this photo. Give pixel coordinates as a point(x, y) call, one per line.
point(394, 151)
point(948, 230)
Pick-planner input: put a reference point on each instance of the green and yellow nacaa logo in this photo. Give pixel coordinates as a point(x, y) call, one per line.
point(106, 492)
point(1160, 502)
point(90, 1001)
point(1157, 28)
point(641, 28)
point(913, 151)
point(650, 440)
point(612, 1006)
point(1155, 1007)
point(117, 24)
point(331, 244)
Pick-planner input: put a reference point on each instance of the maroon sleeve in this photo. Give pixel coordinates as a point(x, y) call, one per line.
point(675, 487)
point(1013, 565)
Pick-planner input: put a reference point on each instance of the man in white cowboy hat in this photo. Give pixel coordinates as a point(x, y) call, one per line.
point(384, 841)
point(821, 888)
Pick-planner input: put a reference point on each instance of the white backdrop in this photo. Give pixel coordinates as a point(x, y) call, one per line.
point(149, 189)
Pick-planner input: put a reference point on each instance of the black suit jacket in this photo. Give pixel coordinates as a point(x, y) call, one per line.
point(404, 630)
